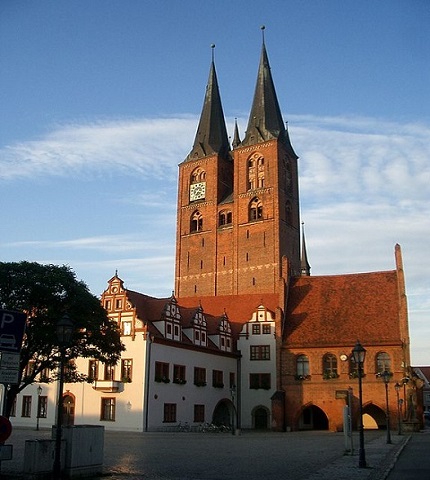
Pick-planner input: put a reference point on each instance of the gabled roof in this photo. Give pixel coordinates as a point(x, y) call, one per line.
point(239, 308)
point(211, 137)
point(339, 309)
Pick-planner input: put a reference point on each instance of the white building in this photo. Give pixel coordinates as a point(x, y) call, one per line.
point(180, 366)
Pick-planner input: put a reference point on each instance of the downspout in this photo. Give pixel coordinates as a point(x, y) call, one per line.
point(147, 375)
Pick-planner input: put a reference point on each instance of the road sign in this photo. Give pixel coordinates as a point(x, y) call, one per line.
point(9, 360)
point(9, 376)
point(6, 452)
point(12, 326)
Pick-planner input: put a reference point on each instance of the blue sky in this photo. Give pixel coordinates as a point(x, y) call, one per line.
point(100, 102)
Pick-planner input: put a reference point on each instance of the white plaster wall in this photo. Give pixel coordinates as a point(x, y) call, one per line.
point(187, 395)
point(251, 398)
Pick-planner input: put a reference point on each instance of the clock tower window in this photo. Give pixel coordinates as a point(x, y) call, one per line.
point(196, 223)
point(255, 210)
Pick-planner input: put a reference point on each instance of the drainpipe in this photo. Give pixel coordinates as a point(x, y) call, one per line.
point(147, 376)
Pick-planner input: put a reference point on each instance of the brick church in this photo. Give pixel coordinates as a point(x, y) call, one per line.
point(249, 338)
point(238, 245)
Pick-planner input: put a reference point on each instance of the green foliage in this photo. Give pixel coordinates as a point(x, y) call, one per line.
point(45, 293)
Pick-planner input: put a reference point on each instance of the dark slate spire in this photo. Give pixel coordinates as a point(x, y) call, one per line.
point(305, 268)
point(236, 138)
point(265, 121)
point(211, 136)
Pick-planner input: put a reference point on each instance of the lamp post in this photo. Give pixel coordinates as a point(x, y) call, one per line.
point(386, 375)
point(64, 331)
point(232, 395)
point(398, 386)
point(39, 392)
point(359, 354)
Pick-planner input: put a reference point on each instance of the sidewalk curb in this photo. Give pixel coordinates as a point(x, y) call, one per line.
point(392, 459)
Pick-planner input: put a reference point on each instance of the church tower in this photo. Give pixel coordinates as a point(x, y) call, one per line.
point(238, 210)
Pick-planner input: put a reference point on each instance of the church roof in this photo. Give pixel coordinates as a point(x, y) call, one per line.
point(337, 310)
point(265, 120)
point(211, 137)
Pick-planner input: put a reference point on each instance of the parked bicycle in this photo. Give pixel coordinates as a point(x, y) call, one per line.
point(183, 427)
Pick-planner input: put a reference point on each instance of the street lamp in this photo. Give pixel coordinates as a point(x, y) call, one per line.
point(232, 394)
point(386, 375)
point(39, 392)
point(398, 386)
point(64, 331)
point(359, 354)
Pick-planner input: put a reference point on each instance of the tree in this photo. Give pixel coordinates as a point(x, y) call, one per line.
point(45, 293)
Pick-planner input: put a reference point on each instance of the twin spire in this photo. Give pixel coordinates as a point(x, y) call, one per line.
point(265, 120)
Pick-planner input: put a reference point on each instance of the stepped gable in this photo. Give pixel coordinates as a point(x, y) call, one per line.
point(239, 308)
point(337, 310)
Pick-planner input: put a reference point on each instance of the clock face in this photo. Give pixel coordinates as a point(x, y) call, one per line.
point(197, 191)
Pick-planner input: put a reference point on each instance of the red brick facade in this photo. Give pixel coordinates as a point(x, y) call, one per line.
point(239, 237)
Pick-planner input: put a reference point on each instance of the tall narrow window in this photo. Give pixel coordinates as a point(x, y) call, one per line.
point(42, 406)
point(26, 406)
point(169, 413)
point(383, 362)
point(93, 370)
point(108, 409)
point(199, 413)
point(255, 209)
point(255, 172)
point(162, 372)
point(109, 372)
point(196, 224)
point(126, 370)
point(302, 367)
point(330, 366)
point(199, 376)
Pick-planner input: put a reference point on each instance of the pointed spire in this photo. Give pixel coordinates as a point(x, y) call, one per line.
point(265, 120)
point(305, 268)
point(236, 137)
point(211, 136)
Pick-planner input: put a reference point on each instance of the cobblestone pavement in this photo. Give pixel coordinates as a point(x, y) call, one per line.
point(212, 456)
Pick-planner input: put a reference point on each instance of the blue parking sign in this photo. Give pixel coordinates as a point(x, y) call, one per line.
point(12, 326)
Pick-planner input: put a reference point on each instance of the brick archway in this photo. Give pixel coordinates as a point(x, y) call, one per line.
point(312, 418)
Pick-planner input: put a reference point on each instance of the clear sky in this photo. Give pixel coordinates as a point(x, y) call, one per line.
point(100, 100)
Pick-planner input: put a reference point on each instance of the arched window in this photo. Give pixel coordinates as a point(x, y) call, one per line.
point(383, 362)
point(198, 175)
point(302, 367)
point(224, 218)
point(255, 209)
point(329, 366)
point(196, 223)
point(255, 171)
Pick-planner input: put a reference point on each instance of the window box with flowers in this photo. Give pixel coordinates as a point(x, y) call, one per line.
point(218, 385)
point(199, 383)
point(355, 374)
point(179, 381)
point(302, 377)
point(126, 380)
point(330, 375)
point(162, 379)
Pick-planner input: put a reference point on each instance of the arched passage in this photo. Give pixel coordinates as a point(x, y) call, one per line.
point(223, 413)
point(376, 414)
point(313, 418)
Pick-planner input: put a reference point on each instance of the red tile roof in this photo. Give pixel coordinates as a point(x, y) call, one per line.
point(339, 309)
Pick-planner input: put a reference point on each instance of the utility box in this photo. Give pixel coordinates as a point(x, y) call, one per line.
point(39, 458)
point(82, 449)
point(84, 452)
